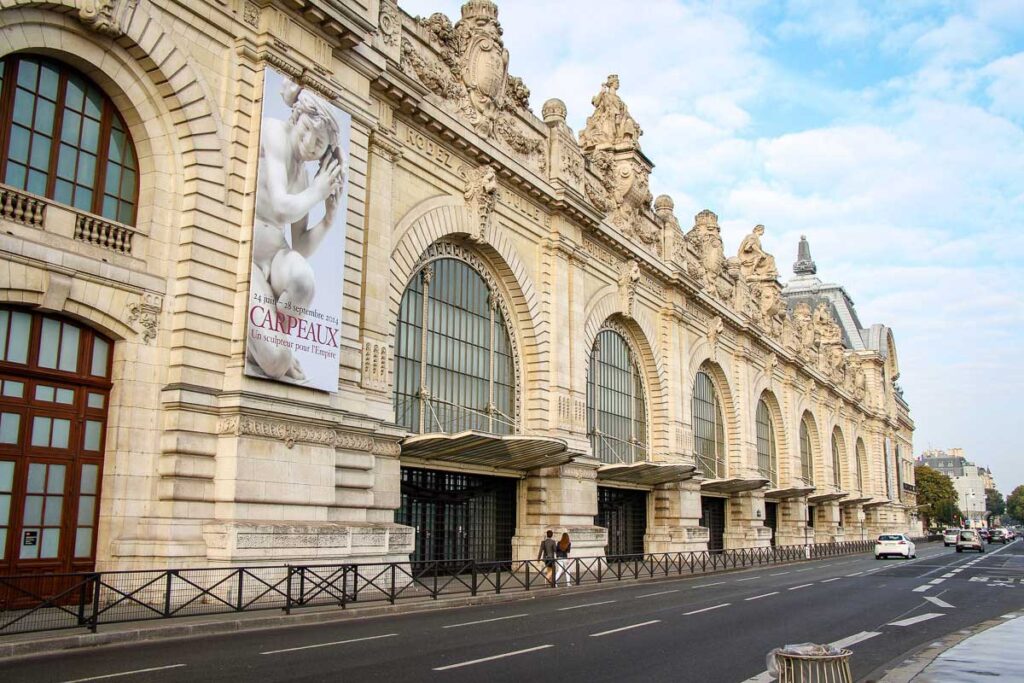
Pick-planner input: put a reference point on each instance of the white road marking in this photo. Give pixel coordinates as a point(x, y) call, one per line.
point(957, 571)
point(706, 609)
point(855, 638)
point(625, 628)
point(492, 658)
point(936, 582)
point(922, 589)
point(831, 580)
point(486, 621)
point(780, 574)
point(763, 677)
point(337, 642)
point(758, 597)
point(651, 595)
point(939, 603)
point(1011, 615)
point(948, 576)
point(803, 586)
point(915, 620)
point(589, 604)
point(705, 585)
point(854, 574)
point(127, 673)
point(749, 578)
point(806, 569)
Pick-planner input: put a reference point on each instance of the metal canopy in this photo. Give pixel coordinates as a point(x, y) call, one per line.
point(855, 501)
point(732, 485)
point(827, 497)
point(791, 492)
point(515, 452)
point(645, 473)
point(875, 502)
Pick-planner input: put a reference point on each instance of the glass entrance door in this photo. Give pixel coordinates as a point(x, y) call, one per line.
point(624, 513)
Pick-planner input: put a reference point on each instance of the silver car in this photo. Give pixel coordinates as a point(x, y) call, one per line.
point(969, 539)
point(949, 537)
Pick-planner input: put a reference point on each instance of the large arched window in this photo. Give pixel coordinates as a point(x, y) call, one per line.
point(806, 454)
point(862, 465)
point(453, 357)
point(616, 410)
point(708, 428)
point(766, 456)
point(837, 460)
point(62, 138)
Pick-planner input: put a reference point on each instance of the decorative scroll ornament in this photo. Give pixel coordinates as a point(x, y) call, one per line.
point(481, 193)
point(468, 69)
point(105, 16)
point(629, 278)
point(390, 24)
point(146, 312)
point(610, 125)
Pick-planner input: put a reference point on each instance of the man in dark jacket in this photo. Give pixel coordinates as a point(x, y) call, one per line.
point(547, 553)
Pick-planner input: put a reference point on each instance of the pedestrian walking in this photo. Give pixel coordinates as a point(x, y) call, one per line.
point(562, 557)
point(547, 553)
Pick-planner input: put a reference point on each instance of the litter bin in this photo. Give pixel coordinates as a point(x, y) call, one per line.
point(810, 663)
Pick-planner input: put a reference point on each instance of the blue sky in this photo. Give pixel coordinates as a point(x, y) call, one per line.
point(891, 134)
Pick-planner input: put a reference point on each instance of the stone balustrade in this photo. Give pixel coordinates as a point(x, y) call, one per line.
point(103, 233)
point(21, 208)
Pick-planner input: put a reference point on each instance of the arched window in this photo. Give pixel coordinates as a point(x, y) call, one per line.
point(616, 410)
point(766, 458)
point(862, 466)
point(806, 455)
point(837, 462)
point(62, 138)
point(708, 428)
point(454, 369)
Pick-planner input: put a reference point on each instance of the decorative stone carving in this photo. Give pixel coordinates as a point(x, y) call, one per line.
point(390, 24)
point(826, 330)
point(375, 365)
point(468, 70)
point(251, 14)
point(715, 329)
point(804, 328)
point(146, 312)
point(481, 194)
point(104, 16)
point(629, 278)
point(610, 125)
point(288, 432)
point(755, 263)
point(706, 240)
point(601, 194)
point(632, 201)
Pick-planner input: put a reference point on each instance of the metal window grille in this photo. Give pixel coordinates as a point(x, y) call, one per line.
point(616, 408)
point(766, 453)
point(862, 465)
point(624, 513)
point(806, 461)
point(837, 472)
point(454, 368)
point(708, 428)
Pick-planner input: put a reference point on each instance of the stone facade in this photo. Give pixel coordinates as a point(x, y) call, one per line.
point(206, 466)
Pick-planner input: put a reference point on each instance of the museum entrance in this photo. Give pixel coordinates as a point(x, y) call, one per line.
point(458, 516)
point(771, 519)
point(54, 390)
point(712, 516)
point(623, 512)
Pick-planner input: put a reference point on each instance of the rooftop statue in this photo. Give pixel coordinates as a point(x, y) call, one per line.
point(755, 262)
point(610, 125)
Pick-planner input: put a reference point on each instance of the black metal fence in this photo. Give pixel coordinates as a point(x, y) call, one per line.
point(85, 600)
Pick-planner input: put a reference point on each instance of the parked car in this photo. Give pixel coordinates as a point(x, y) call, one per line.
point(969, 539)
point(998, 536)
point(894, 544)
point(949, 537)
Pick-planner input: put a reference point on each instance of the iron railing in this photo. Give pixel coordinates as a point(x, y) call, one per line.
point(86, 600)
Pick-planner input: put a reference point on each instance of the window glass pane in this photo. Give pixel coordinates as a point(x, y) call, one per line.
point(117, 142)
point(17, 348)
point(44, 116)
point(5, 318)
point(69, 349)
point(66, 162)
point(109, 208)
point(83, 198)
point(48, 77)
point(128, 184)
point(48, 342)
point(24, 106)
point(65, 396)
point(36, 478)
point(36, 182)
point(89, 476)
point(83, 542)
point(51, 541)
point(9, 423)
point(63, 191)
point(86, 169)
point(33, 515)
point(124, 213)
point(44, 393)
point(55, 484)
point(5, 511)
point(18, 146)
point(51, 513)
point(74, 95)
point(15, 175)
point(13, 389)
point(90, 135)
point(100, 349)
point(28, 72)
point(61, 432)
point(86, 510)
point(3, 544)
point(70, 129)
point(96, 401)
point(40, 431)
point(39, 158)
point(6, 476)
point(93, 103)
point(112, 184)
point(92, 435)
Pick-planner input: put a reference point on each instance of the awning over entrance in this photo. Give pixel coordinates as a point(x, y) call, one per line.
point(515, 452)
point(827, 497)
point(855, 501)
point(645, 473)
point(791, 492)
point(875, 502)
point(731, 485)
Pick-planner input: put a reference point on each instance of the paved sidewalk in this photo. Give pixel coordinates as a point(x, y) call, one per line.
point(985, 653)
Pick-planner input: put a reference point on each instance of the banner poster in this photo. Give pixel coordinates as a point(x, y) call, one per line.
point(298, 243)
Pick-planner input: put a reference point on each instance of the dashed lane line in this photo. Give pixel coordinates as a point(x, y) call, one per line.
point(705, 585)
point(854, 639)
point(707, 609)
point(922, 589)
point(937, 602)
point(806, 585)
point(651, 595)
point(127, 673)
point(749, 578)
point(832, 579)
point(336, 642)
point(486, 621)
point(625, 628)
point(779, 574)
point(492, 658)
point(766, 595)
point(915, 620)
point(854, 574)
point(589, 604)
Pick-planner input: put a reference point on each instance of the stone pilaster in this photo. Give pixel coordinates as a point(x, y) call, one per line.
point(745, 521)
point(676, 524)
point(563, 499)
point(792, 522)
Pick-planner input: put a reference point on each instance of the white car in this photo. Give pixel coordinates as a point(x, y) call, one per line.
point(894, 544)
point(950, 536)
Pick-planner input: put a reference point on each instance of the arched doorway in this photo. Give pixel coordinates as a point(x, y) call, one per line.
point(54, 392)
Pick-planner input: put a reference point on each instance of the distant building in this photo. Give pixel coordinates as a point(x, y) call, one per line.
point(969, 480)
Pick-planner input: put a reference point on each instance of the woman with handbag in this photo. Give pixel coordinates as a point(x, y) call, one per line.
point(562, 557)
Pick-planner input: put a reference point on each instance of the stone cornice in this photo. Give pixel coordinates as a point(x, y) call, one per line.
point(295, 431)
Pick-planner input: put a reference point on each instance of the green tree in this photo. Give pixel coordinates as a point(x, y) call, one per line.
point(1015, 504)
point(994, 505)
point(936, 496)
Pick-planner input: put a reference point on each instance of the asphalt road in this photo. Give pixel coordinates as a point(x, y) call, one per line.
point(711, 628)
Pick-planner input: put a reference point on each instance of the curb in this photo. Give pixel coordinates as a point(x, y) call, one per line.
point(52, 645)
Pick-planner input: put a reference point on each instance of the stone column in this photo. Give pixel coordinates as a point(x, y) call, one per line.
point(676, 523)
point(826, 523)
point(745, 521)
point(853, 522)
point(563, 499)
point(792, 522)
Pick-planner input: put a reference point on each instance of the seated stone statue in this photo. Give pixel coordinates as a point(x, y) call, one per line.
point(755, 263)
